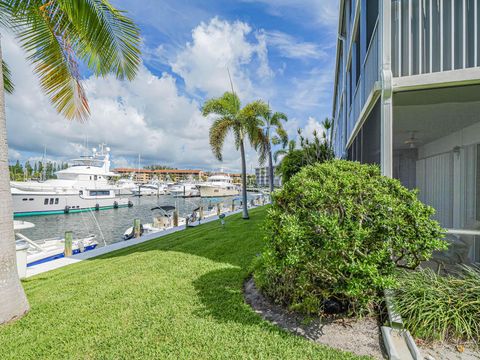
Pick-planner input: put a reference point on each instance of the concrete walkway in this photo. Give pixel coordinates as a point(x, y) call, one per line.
point(65, 261)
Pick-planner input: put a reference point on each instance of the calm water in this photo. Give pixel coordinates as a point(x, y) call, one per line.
point(109, 225)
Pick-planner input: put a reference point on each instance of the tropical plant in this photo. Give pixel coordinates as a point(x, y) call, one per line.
point(320, 149)
point(274, 134)
point(57, 36)
point(317, 150)
point(335, 234)
point(440, 307)
point(242, 122)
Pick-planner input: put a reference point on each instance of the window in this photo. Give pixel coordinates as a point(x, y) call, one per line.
point(25, 199)
point(99, 192)
point(95, 177)
point(357, 58)
point(372, 16)
point(51, 201)
point(80, 192)
point(56, 201)
point(31, 199)
point(45, 202)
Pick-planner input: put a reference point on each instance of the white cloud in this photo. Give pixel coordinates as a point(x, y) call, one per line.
point(293, 48)
point(311, 126)
point(317, 12)
point(147, 116)
point(216, 46)
point(312, 90)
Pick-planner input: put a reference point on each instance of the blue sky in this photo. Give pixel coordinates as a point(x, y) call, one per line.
point(280, 51)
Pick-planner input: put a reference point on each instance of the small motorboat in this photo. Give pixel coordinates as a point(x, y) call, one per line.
point(160, 223)
point(41, 251)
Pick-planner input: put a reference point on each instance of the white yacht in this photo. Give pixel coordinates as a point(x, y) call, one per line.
point(184, 190)
point(152, 188)
point(84, 186)
point(126, 186)
point(218, 186)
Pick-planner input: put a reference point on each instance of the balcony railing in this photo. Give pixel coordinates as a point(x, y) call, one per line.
point(434, 35)
point(369, 74)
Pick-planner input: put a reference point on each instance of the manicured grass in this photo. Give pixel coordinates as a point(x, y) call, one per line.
point(176, 297)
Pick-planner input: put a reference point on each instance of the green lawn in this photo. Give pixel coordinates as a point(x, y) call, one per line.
point(179, 296)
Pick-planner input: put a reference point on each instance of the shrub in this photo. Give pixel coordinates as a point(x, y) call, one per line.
point(335, 234)
point(435, 307)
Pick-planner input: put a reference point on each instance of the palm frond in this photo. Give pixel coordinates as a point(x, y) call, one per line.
point(7, 78)
point(52, 56)
point(260, 143)
point(56, 34)
point(218, 133)
point(277, 117)
point(278, 153)
point(102, 36)
point(226, 105)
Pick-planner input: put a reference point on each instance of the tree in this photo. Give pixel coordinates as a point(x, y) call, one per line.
point(274, 134)
point(242, 122)
point(57, 36)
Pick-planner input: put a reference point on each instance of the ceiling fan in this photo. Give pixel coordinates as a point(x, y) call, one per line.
point(412, 142)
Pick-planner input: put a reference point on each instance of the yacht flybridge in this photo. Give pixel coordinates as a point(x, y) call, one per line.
point(86, 185)
point(218, 186)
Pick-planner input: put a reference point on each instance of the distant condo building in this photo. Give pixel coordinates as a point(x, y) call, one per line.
point(263, 178)
point(145, 175)
point(407, 97)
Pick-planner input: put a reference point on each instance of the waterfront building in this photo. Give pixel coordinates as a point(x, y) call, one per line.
point(145, 175)
point(262, 176)
point(407, 97)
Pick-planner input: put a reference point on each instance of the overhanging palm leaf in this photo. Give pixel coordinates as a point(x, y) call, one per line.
point(7, 78)
point(55, 33)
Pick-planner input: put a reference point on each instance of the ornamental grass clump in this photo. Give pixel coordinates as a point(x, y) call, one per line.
point(435, 307)
point(335, 234)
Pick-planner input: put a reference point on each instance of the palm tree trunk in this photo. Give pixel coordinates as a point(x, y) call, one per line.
point(270, 168)
point(244, 181)
point(13, 302)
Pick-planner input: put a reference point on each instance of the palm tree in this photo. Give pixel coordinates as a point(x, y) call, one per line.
point(271, 123)
point(56, 36)
point(285, 150)
point(242, 122)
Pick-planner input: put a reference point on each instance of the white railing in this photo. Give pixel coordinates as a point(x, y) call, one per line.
point(434, 35)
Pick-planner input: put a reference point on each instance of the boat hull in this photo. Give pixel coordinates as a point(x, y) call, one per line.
point(58, 255)
point(28, 204)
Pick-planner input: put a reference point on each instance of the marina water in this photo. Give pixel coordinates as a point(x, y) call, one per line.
point(109, 225)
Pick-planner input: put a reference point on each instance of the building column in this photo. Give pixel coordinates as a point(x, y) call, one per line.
point(386, 129)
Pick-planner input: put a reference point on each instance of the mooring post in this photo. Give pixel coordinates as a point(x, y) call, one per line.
point(233, 205)
point(68, 243)
point(136, 228)
point(218, 208)
point(200, 216)
point(175, 218)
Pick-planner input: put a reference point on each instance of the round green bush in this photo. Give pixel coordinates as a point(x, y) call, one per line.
point(335, 234)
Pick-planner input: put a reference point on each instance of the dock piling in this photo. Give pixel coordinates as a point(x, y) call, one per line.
point(68, 243)
point(175, 218)
point(136, 228)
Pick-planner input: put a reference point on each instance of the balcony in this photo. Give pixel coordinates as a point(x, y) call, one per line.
point(434, 36)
